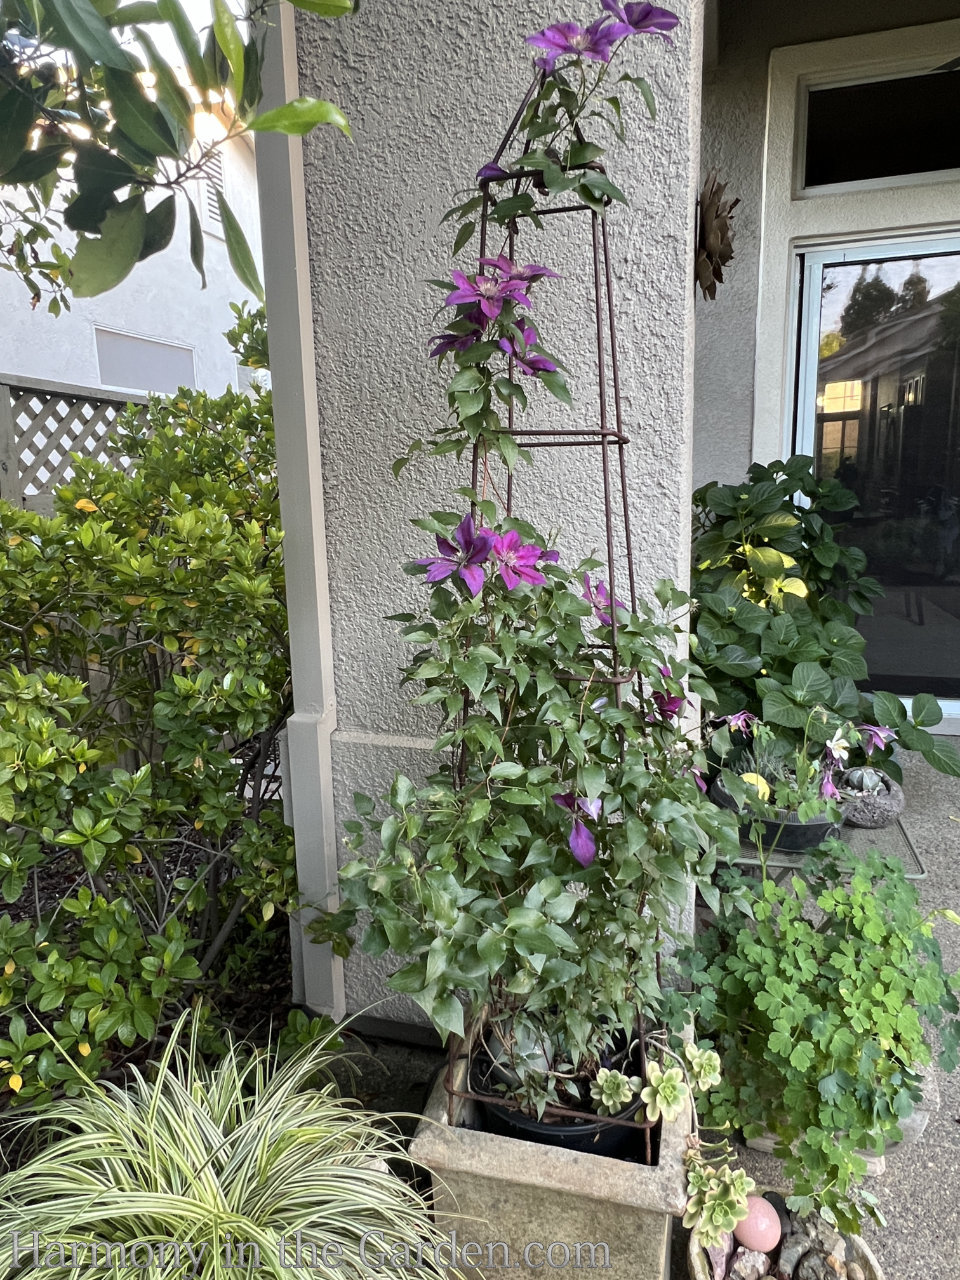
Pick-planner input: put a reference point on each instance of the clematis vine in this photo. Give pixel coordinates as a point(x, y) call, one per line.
point(874, 737)
point(594, 42)
point(511, 271)
point(516, 560)
point(669, 705)
point(490, 171)
point(527, 361)
point(463, 556)
point(632, 19)
point(460, 338)
point(488, 292)
point(583, 844)
point(599, 597)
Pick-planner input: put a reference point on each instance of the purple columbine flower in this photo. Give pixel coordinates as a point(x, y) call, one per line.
point(490, 171)
point(639, 19)
point(510, 271)
point(599, 597)
point(742, 720)
point(517, 560)
point(527, 361)
point(874, 737)
point(464, 556)
point(594, 42)
point(583, 845)
point(489, 292)
point(828, 788)
point(668, 705)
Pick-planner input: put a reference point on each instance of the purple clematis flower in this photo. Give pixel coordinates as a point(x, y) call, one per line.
point(742, 720)
point(632, 19)
point(875, 737)
point(551, 557)
point(594, 42)
point(527, 361)
point(668, 705)
point(464, 556)
point(599, 597)
point(489, 292)
point(510, 271)
point(453, 341)
point(517, 560)
point(490, 171)
point(583, 845)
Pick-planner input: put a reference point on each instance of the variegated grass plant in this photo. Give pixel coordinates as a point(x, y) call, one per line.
point(244, 1152)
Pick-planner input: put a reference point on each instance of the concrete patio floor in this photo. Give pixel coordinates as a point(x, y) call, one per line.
point(919, 1192)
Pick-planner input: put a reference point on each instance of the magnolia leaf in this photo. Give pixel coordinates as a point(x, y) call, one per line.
point(173, 14)
point(140, 119)
point(161, 220)
point(238, 251)
point(299, 117)
point(102, 262)
point(228, 37)
point(196, 242)
point(79, 28)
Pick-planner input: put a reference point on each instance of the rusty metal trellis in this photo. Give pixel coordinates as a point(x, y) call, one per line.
point(607, 433)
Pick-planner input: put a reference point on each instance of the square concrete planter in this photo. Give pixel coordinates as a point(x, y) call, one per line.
point(495, 1190)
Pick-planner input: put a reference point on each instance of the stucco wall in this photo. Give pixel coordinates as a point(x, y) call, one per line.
point(162, 299)
point(734, 118)
point(429, 89)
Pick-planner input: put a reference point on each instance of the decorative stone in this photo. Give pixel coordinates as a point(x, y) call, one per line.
point(783, 1212)
point(760, 1229)
point(814, 1266)
point(855, 1271)
point(794, 1247)
point(838, 1266)
point(749, 1264)
point(720, 1254)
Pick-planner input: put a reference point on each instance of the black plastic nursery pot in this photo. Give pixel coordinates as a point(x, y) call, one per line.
point(785, 833)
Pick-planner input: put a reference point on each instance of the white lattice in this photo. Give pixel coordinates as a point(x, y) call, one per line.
point(48, 427)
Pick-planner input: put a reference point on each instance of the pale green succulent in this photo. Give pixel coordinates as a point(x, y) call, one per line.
point(665, 1093)
point(612, 1090)
point(717, 1199)
point(704, 1066)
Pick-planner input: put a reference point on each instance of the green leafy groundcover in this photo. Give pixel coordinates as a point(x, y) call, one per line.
point(144, 676)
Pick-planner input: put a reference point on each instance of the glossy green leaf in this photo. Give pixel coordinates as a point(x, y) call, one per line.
point(101, 263)
point(238, 250)
point(17, 114)
point(161, 220)
point(137, 14)
point(172, 13)
point(300, 116)
point(926, 710)
point(170, 94)
point(325, 8)
point(228, 37)
point(79, 27)
point(196, 242)
point(139, 118)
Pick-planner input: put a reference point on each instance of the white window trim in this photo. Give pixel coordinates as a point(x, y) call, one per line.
point(793, 221)
point(147, 337)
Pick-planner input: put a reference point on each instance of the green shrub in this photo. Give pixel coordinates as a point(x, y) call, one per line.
point(777, 598)
point(210, 1157)
point(144, 677)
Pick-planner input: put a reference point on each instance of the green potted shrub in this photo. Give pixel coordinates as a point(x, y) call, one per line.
point(818, 1004)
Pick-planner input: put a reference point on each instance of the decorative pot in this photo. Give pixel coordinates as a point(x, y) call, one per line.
point(874, 808)
point(492, 1189)
point(783, 833)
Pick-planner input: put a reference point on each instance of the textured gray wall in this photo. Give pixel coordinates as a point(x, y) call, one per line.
point(734, 120)
point(429, 89)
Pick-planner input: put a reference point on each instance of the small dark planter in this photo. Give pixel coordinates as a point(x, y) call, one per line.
point(785, 833)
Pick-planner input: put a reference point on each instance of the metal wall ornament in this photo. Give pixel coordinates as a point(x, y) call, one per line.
point(715, 233)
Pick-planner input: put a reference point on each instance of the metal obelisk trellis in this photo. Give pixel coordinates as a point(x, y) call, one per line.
point(607, 433)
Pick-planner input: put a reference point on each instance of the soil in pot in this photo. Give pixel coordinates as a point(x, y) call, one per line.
point(874, 809)
point(784, 833)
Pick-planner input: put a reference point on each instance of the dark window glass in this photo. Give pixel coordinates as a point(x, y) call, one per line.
point(883, 128)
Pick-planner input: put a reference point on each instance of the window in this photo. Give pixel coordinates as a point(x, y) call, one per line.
point(882, 128)
point(130, 363)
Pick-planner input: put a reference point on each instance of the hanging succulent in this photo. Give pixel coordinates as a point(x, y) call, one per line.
point(715, 235)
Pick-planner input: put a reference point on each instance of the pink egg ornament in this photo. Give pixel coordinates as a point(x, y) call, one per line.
point(760, 1229)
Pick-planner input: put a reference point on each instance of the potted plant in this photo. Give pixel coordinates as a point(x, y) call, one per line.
point(871, 798)
point(787, 796)
point(819, 1007)
point(530, 888)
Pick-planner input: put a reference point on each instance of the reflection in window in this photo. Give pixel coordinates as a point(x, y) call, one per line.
point(888, 426)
